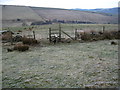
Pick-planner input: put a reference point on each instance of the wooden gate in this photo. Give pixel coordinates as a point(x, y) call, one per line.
point(55, 34)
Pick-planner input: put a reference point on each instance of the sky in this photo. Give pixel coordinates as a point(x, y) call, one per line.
point(66, 4)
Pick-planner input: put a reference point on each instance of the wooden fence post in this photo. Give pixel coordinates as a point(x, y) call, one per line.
point(34, 34)
point(11, 38)
point(75, 34)
point(59, 32)
point(50, 34)
point(103, 28)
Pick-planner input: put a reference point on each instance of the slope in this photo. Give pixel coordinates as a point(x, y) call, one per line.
point(74, 15)
point(19, 12)
point(17, 15)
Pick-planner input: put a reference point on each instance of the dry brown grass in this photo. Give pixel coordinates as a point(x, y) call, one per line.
point(21, 47)
point(94, 36)
point(19, 30)
point(86, 37)
point(29, 41)
point(7, 36)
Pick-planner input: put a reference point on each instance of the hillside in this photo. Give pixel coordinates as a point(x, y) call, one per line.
point(109, 11)
point(72, 15)
point(19, 15)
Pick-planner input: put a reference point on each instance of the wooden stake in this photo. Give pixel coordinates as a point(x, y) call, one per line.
point(50, 34)
point(59, 32)
point(75, 34)
point(11, 38)
point(34, 34)
point(103, 28)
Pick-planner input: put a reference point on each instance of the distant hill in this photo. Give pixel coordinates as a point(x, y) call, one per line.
point(109, 11)
point(72, 15)
point(17, 15)
point(25, 15)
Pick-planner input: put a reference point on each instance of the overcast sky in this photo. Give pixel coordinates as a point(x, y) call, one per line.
point(67, 4)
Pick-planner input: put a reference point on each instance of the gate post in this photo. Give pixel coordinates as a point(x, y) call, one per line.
point(59, 32)
point(34, 34)
point(103, 28)
point(50, 34)
point(75, 34)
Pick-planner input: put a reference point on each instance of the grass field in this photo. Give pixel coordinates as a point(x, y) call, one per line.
point(63, 65)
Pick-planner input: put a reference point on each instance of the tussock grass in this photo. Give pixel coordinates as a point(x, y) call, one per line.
point(29, 41)
point(7, 36)
point(21, 47)
point(95, 36)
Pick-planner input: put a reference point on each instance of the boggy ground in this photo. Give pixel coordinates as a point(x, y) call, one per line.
point(64, 65)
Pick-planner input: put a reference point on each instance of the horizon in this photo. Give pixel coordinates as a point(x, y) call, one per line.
point(73, 4)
